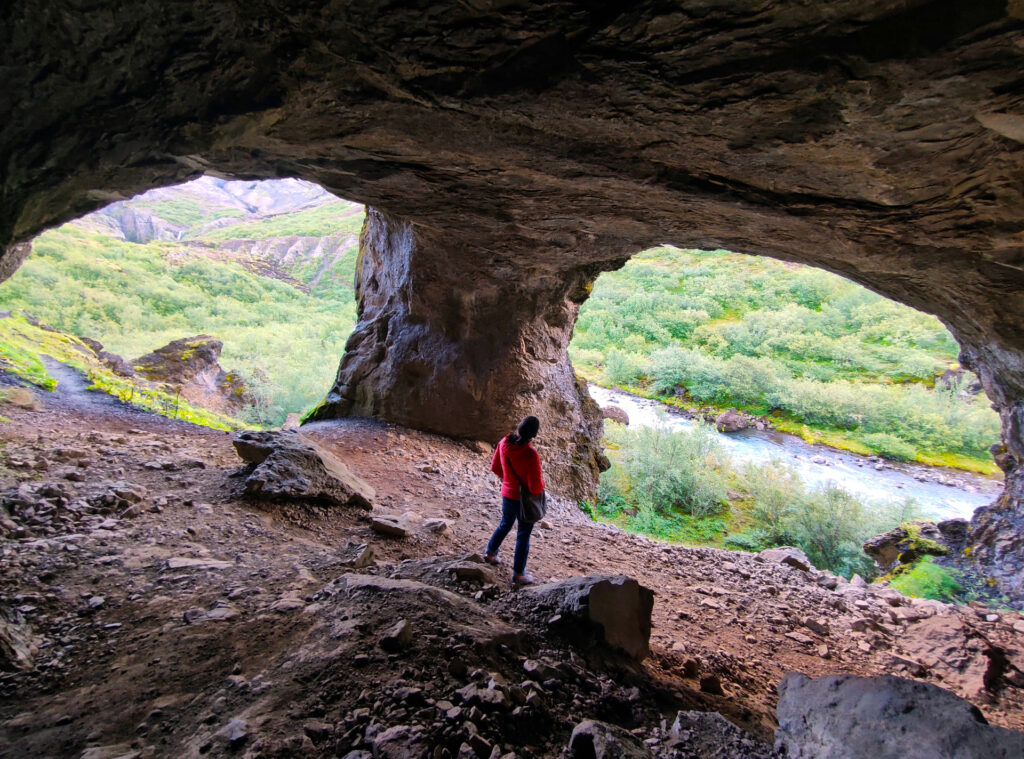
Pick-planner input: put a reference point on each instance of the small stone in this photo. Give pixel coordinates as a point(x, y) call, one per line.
point(712, 684)
point(234, 733)
point(398, 638)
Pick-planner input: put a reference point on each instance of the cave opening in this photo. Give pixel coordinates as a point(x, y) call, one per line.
point(258, 276)
point(819, 389)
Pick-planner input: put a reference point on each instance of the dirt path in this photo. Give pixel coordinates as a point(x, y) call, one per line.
point(162, 606)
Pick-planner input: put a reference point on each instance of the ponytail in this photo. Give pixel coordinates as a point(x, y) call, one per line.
point(526, 431)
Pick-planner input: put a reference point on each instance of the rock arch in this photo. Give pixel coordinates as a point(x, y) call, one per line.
point(513, 151)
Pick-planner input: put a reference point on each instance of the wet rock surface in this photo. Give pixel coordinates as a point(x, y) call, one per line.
point(220, 627)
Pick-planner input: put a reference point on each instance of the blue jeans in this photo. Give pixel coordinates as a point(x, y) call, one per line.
point(509, 516)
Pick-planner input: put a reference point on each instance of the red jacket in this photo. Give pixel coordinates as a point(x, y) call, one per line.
point(526, 463)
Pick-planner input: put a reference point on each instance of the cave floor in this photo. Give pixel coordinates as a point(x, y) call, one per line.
point(182, 609)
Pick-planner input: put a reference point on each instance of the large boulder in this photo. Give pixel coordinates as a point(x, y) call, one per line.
point(788, 555)
point(190, 366)
point(617, 607)
point(906, 544)
point(847, 717)
point(615, 413)
point(731, 420)
point(598, 740)
point(289, 467)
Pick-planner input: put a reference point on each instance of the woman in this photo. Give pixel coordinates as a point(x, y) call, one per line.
point(516, 461)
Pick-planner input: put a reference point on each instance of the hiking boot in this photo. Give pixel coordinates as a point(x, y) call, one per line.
point(492, 560)
point(522, 580)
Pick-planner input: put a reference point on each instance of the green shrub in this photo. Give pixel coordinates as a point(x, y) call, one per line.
point(667, 471)
point(927, 580)
point(752, 541)
point(888, 446)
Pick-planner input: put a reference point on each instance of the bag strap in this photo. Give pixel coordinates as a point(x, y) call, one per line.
point(522, 484)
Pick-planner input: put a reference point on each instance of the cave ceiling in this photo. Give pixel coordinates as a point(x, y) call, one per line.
point(881, 140)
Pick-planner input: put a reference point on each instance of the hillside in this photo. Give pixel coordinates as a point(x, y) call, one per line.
point(815, 354)
point(265, 266)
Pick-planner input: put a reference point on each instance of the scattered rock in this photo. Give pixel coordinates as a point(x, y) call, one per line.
point(398, 638)
point(731, 420)
point(391, 525)
point(356, 556)
point(615, 413)
point(399, 742)
point(708, 735)
point(790, 556)
point(18, 646)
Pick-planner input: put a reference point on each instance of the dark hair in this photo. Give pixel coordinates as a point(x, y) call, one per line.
point(526, 431)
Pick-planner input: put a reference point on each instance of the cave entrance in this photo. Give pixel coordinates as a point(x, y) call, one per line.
point(843, 389)
point(264, 267)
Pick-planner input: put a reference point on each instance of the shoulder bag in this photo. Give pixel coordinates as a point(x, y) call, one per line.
point(532, 506)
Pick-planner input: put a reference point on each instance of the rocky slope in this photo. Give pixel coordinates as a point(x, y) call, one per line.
point(165, 613)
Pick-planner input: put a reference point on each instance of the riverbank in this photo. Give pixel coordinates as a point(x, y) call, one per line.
point(939, 492)
point(840, 440)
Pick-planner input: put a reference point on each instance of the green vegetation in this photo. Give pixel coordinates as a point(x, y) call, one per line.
point(135, 298)
point(23, 345)
point(928, 580)
point(680, 486)
point(186, 212)
point(821, 356)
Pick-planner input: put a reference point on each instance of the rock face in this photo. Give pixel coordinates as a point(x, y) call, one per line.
point(467, 357)
point(906, 544)
point(510, 167)
point(191, 364)
point(619, 608)
point(847, 717)
point(289, 468)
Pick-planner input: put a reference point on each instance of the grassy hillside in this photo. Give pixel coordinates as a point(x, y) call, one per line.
point(822, 356)
point(133, 299)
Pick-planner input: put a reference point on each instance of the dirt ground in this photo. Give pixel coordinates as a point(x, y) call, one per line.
point(165, 615)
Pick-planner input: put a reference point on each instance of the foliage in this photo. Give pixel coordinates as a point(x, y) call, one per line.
point(773, 338)
point(134, 298)
point(927, 580)
point(669, 471)
point(678, 485)
point(320, 221)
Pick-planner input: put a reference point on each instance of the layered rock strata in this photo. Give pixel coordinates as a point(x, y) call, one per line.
point(531, 145)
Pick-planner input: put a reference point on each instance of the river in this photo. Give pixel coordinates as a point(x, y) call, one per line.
point(939, 492)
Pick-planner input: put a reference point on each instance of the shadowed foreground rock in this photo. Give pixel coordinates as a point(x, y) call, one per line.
point(618, 608)
point(290, 468)
point(846, 717)
point(598, 740)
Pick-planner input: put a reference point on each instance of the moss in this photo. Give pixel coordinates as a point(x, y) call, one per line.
point(927, 580)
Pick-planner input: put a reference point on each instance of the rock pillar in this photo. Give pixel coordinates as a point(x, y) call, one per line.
point(465, 340)
point(996, 538)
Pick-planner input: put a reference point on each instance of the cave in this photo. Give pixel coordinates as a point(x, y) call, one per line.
point(509, 153)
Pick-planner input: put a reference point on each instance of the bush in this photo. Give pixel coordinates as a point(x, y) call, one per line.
point(752, 541)
point(888, 446)
point(664, 471)
point(927, 580)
